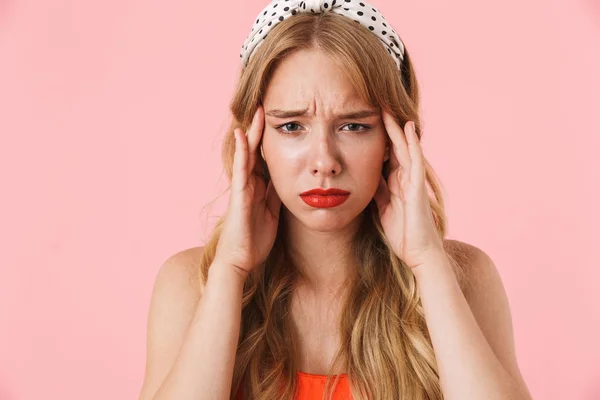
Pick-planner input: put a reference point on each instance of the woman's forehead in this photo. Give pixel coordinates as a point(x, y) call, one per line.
point(352, 112)
point(301, 93)
point(309, 70)
point(310, 79)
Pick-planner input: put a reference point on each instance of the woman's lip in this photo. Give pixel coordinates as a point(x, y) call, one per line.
point(326, 201)
point(324, 192)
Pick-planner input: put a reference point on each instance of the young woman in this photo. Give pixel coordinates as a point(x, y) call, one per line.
point(330, 274)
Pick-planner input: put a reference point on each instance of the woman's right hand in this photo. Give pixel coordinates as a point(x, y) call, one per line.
point(252, 217)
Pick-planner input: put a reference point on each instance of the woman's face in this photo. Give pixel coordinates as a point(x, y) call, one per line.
point(323, 148)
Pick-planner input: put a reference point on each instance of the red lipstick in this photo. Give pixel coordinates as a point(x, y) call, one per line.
point(324, 198)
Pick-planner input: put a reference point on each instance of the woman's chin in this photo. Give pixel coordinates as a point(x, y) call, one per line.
point(326, 219)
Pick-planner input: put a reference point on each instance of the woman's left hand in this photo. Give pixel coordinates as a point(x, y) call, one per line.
point(403, 200)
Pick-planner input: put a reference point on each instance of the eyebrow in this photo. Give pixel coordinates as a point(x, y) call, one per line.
point(302, 112)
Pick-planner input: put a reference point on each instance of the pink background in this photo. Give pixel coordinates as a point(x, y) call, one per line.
point(111, 117)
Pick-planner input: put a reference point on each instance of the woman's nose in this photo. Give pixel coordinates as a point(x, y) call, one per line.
point(324, 155)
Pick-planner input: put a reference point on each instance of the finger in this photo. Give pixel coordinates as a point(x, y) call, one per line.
point(417, 172)
point(273, 200)
point(254, 135)
point(399, 143)
point(240, 162)
point(382, 195)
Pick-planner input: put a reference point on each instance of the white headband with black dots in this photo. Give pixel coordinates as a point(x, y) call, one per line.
point(360, 11)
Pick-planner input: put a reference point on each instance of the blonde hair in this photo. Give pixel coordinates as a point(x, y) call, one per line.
point(385, 345)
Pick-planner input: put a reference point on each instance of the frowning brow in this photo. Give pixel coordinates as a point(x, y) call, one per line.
point(302, 112)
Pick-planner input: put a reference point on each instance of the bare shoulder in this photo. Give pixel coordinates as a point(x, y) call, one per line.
point(463, 252)
point(176, 292)
point(183, 270)
point(487, 298)
point(178, 279)
point(474, 266)
point(478, 274)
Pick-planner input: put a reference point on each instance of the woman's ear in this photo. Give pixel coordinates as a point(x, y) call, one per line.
point(387, 151)
point(261, 152)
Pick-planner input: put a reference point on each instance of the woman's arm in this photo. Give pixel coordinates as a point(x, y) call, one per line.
point(472, 336)
point(203, 365)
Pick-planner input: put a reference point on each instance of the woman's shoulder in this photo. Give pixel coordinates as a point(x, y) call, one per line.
point(467, 255)
point(174, 298)
point(475, 270)
point(462, 252)
point(182, 271)
point(466, 260)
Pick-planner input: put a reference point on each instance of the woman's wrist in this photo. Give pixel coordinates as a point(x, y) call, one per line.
point(434, 262)
point(223, 270)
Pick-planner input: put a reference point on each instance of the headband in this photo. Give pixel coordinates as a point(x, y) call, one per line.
point(360, 11)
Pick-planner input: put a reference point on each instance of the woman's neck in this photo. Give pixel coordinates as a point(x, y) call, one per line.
point(324, 259)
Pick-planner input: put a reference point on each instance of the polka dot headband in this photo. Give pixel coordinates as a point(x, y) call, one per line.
point(360, 11)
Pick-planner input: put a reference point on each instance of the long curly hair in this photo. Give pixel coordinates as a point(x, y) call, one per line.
point(385, 345)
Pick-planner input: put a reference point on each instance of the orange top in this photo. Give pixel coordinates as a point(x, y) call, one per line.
point(312, 386)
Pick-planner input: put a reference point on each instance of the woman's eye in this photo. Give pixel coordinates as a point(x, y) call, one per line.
point(359, 126)
point(286, 131)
